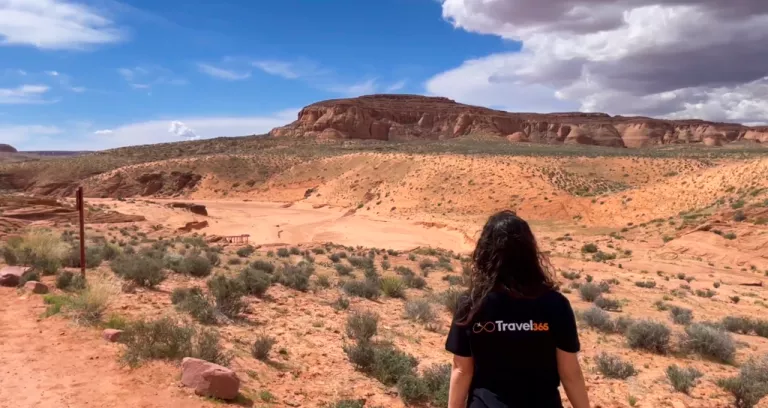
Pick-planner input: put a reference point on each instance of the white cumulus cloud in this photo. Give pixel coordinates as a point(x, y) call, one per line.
point(24, 94)
point(181, 130)
point(55, 24)
point(103, 132)
point(672, 58)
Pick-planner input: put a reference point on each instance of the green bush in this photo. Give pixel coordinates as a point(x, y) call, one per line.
point(93, 257)
point(256, 281)
point(683, 379)
point(750, 385)
point(646, 284)
point(66, 280)
point(347, 403)
point(167, 339)
point(391, 364)
point(343, 270)
point(228, 294)
point(28, 276)
point(262, 346)
point(193, 301)
point(393, 287)
point(710, 342)
point(607, 303)
point(142, 270)
point(360, 262)
point(335, 258)
point(740, 324)
point(385, 265)
point(598, 319)
point(648, 335)
point(414, 281)
point(294, 251)
point(589, 248)
point(361, 354)
point(614, 367)
point(412, 389)
point(367, 288)
point(707, 293)
point(362, 326)
point(681, 315)
point(246, 251)
point(265, 266)
point(283, 253)
point(426, 265)
point(234, 261)
point(419, 310)
point(437, 378)
point(41, 249)
point(341, 303)
point(295, 276)
point(196, 265)
point(571, 275)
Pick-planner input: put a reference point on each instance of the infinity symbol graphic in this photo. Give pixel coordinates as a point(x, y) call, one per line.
point(488, 327)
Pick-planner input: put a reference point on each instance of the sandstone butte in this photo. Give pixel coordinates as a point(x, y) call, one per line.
point(413, 117)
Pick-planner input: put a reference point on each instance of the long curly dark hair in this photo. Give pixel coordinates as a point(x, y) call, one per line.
point(507, 258)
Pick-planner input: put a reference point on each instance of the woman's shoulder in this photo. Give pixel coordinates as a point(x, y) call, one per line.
point(554, 296)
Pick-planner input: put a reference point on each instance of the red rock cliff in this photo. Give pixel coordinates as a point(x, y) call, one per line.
point(407, 117)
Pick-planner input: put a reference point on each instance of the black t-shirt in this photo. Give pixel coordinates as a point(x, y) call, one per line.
point(513, 342)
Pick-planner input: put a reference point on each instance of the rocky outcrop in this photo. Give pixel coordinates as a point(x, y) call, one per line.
point(408, 117)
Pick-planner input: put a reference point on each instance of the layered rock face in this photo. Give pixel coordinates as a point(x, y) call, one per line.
point(408, 117)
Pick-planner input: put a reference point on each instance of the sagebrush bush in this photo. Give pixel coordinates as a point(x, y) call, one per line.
point(414, 281)
point(412, 389)
point(196, 265)
point(142, 270)
point(451, 299)
point(607, 303)
point(649, 335)
point(589, 292)
point(265, 266)
point(750, 385)
point(571, 275)
point(681, 315)
point(437, 378)
point(598, 319)
point(347, 403)
point(93, 257)
point(738, 324)
point(341, 303)
point(29, 276)
point(323, 281)
point(295, 276)
point(41, 249)
point(193, 301)
point(362, 326)
point(343, 270)
point(622, 324)
point(88, 305)
point(167, 339)
point(361, 354)
point(683, 379)
point(589, 248)
point(295, 251)
point(419, 310)
point(614, 367)
point(283, 253)
point(246, 251)
point(710, 342)
point(360, 262)
point(646, 284)
point(66, 280)
point(366, 288)
point(393, 287)
point(228, 295)
point(390, 364)
point(256, 281)
point(261, 346)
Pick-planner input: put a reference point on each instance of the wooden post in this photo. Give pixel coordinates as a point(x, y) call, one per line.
point(80, 209)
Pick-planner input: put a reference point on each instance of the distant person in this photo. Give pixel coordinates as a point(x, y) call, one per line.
point(514, 336)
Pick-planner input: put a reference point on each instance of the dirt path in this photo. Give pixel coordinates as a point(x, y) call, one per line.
point(50, 363)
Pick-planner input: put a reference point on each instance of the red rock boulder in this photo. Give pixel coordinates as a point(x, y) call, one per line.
point(10, 275)
point(111, 335)
point(36, 287)
point(208, 379)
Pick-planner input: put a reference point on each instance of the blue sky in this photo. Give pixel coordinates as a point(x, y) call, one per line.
point(95, 74)
point(252, 64)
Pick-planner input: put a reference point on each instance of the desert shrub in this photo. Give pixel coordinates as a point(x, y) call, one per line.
point(323, 281)
point(347, 403)
point(391, 364)
point(646, 284)
point(412, 389)
point(425, 265)
point(283, 253)
point(341, 303)
point(213, 257)
point(234, 261)
point(295, 276)
point(437, 378)
point(195, 265)
point(93, 257)
point(622, 324)
point(88, 305)
point(648, 335)
point(393, 287)
point(28, 276)
point(41, 249)
point(453, 280)
point(735, 299)
point(167, 339)
point(419, 310)
point(265, 266)
point(294, 251)
point(142, 270)
point(261, 347)
point(245, 251)
point(589, 278)
point(589, 292)
point(335, 258)
point(683, 379)
point(256, 281)
point(228, 294)
point(598, 319)
point(343, 270)
point(414, 281)
point(740, 324)
point(360, 262)
point(710, 342)
point(750, 385)
point(729, 235)
point(761, 328)
point(681, 315)
point(116, 322)
point(404, 271)
point(603, 256)
point(571, 275)
point(451, 299)
point(362, 326)
point(385, 265)
point(318, 251)
point(193, 301)
point(366, 288)
point(707, 293)
point(589, 248)
point(361, 354)
point(614, 367)
point(66, 280)
point(607, 303)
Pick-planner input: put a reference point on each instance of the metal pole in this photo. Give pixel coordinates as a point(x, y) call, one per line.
point(80, 207)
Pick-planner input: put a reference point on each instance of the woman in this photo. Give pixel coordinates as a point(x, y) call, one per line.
point(514, 337)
